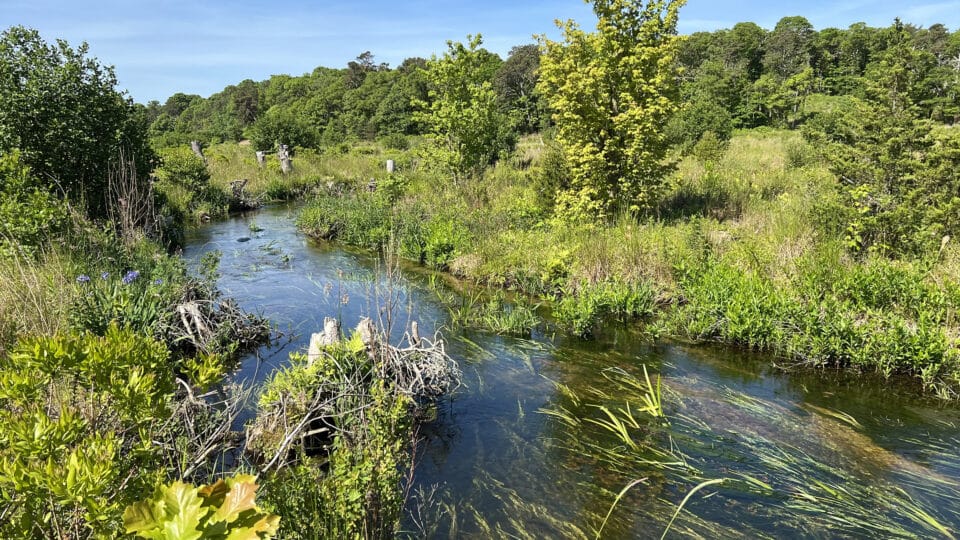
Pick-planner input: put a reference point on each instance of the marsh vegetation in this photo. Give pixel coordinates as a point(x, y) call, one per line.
point(697, 285)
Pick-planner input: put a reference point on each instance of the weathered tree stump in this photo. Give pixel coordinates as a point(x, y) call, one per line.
point(286, 163)
point(320, 340)
point(369, 337)
point(198, 150)
point(236, 187)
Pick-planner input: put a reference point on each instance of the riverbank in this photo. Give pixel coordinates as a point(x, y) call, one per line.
point(488, 462)
point(745, 250)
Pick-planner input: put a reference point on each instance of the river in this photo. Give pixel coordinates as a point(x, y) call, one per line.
point(801, 454)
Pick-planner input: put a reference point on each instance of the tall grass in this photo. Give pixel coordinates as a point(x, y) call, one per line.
point(348, 165)
point(35, 295)
point(743, 251)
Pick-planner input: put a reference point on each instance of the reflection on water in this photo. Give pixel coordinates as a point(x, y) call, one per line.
point(804, 454)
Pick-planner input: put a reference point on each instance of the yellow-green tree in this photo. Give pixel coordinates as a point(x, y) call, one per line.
point(611, 93)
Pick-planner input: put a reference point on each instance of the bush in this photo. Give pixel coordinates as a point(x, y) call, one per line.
point(689, 126)
point(276, 128)
point(710, 148)
point(77, 419)
point(552, 178)
point(29, 215)
point(185, 185)
point(395, 141)
point(445, 238)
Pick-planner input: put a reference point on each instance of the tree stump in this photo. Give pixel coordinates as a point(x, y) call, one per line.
point(237, 188)
point(321, 340)
point(283, 154)
point(198, 150)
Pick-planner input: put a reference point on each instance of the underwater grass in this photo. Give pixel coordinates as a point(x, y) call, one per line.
point(777, 488)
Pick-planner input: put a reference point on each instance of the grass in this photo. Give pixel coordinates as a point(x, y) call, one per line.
point(789, 486)
point(312, 170)
point(744, 250)
point(35, 295)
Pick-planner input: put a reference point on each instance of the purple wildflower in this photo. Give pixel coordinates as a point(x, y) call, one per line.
point(130, 277)
point(158, 281)
point(104, 275)
point(83, 278)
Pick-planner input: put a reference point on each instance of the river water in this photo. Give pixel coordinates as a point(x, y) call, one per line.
point(793, 454)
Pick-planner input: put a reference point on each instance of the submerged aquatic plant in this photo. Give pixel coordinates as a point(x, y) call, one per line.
point(798, 491)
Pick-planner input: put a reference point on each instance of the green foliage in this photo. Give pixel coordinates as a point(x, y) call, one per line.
point(444, 239)
point(224, 510)
point(900, 180)
point(76, 413)
point(516, 86)
point(358, 494)
point(139, 302)
point(466, 127)
point(583, 309)
point(185, 184)
point(878, 316)
point(698, 118)
point(280, 127)
point(553, 176)
point(788, 47)
point(61, 109)
point(611, 92)
point(709, 149)
point(29, 215)
point(363, 220)
point(180, 166)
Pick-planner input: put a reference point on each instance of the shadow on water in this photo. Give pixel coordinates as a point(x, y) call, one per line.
point(803, 454)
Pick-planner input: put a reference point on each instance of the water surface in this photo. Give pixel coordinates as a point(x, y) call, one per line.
point(802, 454)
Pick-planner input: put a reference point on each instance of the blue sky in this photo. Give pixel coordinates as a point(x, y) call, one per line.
point(199, 46)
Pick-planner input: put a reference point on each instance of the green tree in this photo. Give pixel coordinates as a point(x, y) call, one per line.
point(788, 47)
point(611, 92)
point(61, 109)
point(280, 126)
point(899, 180)
point(466, 126)
point(395, 112)
point(516, 82)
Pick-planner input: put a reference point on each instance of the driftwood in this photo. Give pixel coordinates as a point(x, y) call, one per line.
point(422, 370)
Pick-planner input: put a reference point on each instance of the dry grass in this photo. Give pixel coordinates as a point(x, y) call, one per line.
point(35, 295)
